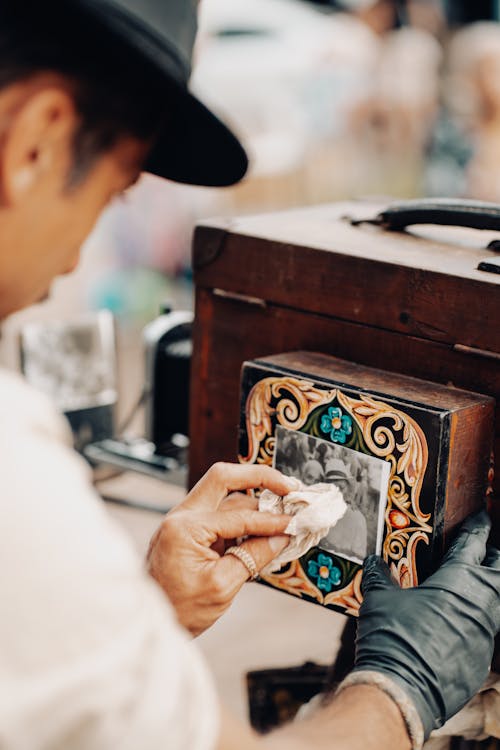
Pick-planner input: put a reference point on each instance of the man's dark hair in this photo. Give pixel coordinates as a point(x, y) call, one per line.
point(116, 92)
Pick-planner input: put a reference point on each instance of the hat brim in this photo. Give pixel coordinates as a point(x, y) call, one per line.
point(196, 148)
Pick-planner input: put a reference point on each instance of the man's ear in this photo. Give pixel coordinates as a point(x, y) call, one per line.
point(37, 144)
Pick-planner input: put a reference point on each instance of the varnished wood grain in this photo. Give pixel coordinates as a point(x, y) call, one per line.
point(229, 331)
point(394, 281)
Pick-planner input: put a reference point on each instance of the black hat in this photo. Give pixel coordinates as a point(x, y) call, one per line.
point(196, 147)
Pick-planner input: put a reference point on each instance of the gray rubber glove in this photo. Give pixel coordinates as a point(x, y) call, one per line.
point(434, 641)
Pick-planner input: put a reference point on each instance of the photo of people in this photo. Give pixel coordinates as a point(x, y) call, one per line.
point(362, 479)
point(73, 361)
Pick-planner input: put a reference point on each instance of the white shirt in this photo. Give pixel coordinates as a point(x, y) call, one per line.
point(91, 655)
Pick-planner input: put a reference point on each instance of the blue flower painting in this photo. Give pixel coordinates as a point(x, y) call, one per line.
point(336, 424)
point(325, 574)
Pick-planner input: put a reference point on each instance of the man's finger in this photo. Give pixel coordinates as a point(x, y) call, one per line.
point(231, 524)
point(262, 551)
point(222, 478)
point(239, 501)
point(470, 545)
point(234, 501)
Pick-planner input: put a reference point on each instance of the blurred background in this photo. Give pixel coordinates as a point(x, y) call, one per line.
point(333, 99)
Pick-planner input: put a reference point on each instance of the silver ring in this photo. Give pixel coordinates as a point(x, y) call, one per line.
point(246, 558)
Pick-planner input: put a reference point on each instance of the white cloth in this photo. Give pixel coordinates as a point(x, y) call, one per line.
point(315, 509)
point(91, 656)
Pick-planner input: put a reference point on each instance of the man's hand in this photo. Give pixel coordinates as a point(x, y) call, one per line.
point(434, 641)
point(186, 555)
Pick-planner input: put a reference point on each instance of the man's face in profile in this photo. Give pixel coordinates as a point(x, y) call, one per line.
point(43, 220)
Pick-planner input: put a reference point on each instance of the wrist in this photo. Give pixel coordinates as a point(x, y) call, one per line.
point(407, 670)
point(361, 717)
point(401, 697)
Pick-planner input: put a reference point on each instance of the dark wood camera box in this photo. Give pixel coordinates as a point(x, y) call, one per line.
point(410, 457)
point(410, 302)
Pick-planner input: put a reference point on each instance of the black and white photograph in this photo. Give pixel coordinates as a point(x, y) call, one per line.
point(363, 481)
point(72, 361)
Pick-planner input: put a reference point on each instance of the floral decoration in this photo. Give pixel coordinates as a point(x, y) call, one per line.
point(398, 519)
point(324, 572)
point(336, 424)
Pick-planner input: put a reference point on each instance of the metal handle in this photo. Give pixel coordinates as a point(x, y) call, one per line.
point(446, 211)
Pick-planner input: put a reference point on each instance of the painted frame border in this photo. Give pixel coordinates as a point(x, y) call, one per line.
point(371, 426)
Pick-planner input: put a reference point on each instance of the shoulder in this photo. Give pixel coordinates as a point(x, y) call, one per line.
point(24, 408)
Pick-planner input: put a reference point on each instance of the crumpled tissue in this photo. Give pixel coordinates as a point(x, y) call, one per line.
point(315, 509)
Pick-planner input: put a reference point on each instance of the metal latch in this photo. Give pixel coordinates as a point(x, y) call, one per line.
point(491, 265)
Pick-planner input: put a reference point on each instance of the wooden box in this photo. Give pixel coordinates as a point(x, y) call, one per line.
point(409, 302)
point(410, 457)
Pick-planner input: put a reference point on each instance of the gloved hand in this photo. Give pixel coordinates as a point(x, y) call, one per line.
point(434, 641)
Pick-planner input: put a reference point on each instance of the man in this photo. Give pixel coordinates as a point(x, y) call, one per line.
point(92, 657)
point(350, 535)
point(312, 472)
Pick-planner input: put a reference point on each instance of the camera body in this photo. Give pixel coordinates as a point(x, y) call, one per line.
point(162, 451)
point(168, 350)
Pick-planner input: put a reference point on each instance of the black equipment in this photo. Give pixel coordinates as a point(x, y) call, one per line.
point(162, 451)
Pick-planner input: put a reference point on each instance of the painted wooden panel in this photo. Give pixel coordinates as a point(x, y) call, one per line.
point(411, 458)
